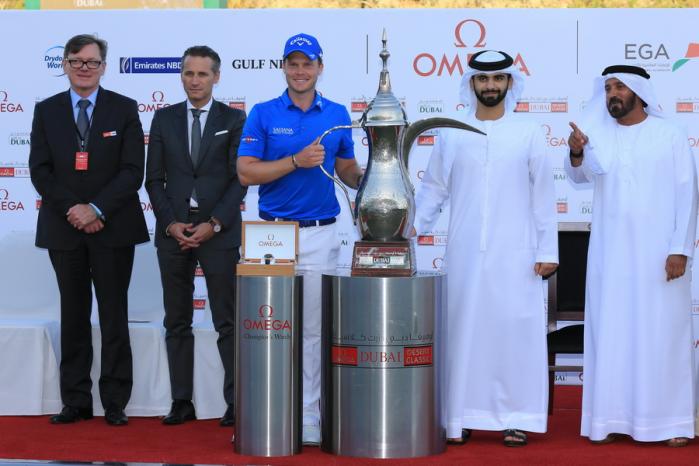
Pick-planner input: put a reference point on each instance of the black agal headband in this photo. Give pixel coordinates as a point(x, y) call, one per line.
point(637, 70)
point(490, 60)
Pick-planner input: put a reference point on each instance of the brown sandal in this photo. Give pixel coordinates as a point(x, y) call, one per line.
point(465, 435)
point(514, 438)
point(677, 442)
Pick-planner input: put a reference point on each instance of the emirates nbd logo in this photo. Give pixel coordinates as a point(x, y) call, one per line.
point(148, 65)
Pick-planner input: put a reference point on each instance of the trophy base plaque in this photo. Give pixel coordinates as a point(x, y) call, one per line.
point(378, 259)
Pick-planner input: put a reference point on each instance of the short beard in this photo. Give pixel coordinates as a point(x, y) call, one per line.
point(620, 111)
point(491, 101)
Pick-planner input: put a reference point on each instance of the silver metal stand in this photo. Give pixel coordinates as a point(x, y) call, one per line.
point(268, 365)
point(381, 393)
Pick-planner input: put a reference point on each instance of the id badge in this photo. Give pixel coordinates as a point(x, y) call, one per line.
point(81, 159)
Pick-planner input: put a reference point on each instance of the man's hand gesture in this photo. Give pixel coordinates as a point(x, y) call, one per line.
point(576, 140)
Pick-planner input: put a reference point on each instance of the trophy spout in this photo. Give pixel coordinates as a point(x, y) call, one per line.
point(420, 126)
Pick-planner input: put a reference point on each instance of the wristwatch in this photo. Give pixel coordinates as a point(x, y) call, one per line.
point(215, 225)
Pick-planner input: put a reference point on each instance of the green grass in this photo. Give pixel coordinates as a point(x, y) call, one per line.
point(19, 4)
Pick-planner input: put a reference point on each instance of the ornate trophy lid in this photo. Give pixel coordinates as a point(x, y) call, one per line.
point(384, 109)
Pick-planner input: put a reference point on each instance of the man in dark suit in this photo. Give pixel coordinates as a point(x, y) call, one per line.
point(193, 185)
point(86, 162)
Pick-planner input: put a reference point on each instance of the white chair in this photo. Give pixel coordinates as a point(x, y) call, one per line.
point(27, 281)
point(29, 328)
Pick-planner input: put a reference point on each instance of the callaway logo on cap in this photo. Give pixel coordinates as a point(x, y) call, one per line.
point(307, 45)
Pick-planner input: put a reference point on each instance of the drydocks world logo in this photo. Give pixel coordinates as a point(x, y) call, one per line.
point(148, 65)
point(53, 60)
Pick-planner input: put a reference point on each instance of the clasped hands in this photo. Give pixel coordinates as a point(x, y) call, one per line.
point(84, 218)
point(190, 236)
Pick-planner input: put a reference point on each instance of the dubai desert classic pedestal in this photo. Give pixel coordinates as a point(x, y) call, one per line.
point(381, 394)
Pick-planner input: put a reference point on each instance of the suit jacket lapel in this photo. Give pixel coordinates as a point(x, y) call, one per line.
point(209, 130)
point(182, 130)
point(99, 118)
point(68, 121)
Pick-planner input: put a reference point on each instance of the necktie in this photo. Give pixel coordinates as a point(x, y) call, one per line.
point(83, 122)
point(196, 135)
point(196, 141)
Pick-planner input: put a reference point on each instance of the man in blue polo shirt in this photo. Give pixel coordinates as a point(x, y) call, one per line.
point(279, 151)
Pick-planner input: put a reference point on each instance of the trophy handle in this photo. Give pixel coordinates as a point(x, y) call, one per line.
point(420, 126)
point(355, 124)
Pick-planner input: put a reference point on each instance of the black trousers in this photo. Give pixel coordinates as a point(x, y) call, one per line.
point(177, 273)
point(109, 270)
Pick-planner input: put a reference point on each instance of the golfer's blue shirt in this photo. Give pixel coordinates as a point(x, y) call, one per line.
point(276, 129)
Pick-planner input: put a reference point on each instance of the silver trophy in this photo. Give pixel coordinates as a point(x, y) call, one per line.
point(385, 204)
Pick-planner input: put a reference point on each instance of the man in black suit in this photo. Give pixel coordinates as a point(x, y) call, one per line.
point(86, 162)
point(193, 185)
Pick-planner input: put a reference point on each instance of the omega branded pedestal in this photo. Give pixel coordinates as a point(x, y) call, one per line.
point(381, 393)
point(268, 365)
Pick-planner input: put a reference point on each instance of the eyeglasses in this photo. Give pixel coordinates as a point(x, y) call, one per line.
point(76, 64)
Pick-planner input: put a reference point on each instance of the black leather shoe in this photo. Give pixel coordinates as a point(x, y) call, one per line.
point(115, 417)
point(70, 414)
point(228, 419)
point(181, 411)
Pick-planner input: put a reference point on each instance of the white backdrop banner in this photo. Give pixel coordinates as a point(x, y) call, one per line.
point(558, 51)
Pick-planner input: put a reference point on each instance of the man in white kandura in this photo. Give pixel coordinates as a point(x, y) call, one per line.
point(638, 360)
point(503, 238)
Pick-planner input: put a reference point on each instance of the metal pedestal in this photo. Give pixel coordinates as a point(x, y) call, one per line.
point(268, 365)
point(381, 366)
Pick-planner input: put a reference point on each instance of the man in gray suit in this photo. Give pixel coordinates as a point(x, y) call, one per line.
point(194, 189)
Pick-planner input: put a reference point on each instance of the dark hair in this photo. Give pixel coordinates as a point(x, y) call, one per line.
point(204, 51)
point(76, 43)
point(320, 59)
